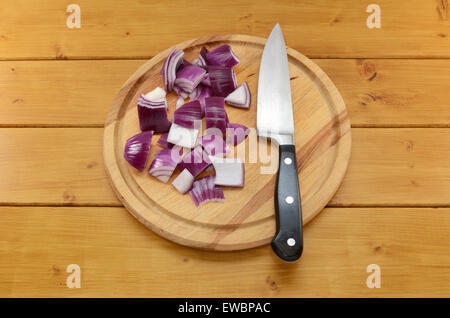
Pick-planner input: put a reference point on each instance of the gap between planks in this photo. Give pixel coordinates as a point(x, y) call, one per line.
point(126, 58)
point(102, 126)
point(334, 206)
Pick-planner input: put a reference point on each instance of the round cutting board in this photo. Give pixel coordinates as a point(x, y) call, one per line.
point(246, 218)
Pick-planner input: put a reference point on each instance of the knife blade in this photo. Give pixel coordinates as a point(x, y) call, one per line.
point(275, 120)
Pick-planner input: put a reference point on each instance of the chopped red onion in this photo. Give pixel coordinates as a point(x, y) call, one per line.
point(200, 93)
point(204, 190)
point(153, 114)
point(195, 161)
point(201, 60)
point(206, 81)
point(189, 76)
point(162, 141)
point(137, 149)
point(171, 65)
point(213, 144)
point(156, 94)
point(236, 133)
point(240, 97)
point(182, 136)
point(180, 102)
point(223, 80)
point(222, 56)
point(164, 163)
point(216, 116)
point(183, 182)
point(196, 92)
point(188, 115)
point(180, 92)
point(229, 171)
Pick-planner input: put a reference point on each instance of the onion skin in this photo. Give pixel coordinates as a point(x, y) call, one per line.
point(137, 149)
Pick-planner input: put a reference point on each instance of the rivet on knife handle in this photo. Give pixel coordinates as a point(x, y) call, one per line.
point(288, 240)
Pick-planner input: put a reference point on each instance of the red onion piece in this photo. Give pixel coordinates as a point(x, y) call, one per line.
point(195, 161)
point(180, 102)
point(182, 136)
point(188, 115)
point(204, 190)
point(180, 92)
point(213, 144)
point(223, 80)
point(189, 76)
point(153, 115)
point(171, 65)
point(206, 81)
point(196, 92)
point(162, 141)
point(164, 163)
point(222, 56)
point(229, 171)
point(240, 97)
point(216, 116)
point(200, 93)
point(137, 149)
point(236, 133)
point(183, 182)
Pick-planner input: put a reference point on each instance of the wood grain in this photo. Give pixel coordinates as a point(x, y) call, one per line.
point(388, 166)
point(246, 218)
point(53, 166)
point(119, 257)
point(79, 93)
point(397, 167)
point(141, 29)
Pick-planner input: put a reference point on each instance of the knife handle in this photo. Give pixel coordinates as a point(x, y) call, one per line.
point(288, 240)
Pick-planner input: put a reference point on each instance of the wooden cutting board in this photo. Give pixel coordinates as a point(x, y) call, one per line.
point(246, 219)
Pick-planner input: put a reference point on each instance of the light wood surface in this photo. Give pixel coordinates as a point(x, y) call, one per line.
point(136, 28)
point(118, 256)
point(386, 100)
point(246, 218)
point(388, 167)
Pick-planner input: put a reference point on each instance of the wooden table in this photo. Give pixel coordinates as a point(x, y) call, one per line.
point(57, 208)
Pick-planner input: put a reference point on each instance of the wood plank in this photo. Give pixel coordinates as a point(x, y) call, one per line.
point(392, 93)
point(80, 93)
point(397, 166)
point(141, 29)
point(119, 257)
point(388, 166)
point(50, 93)
point(53, 166)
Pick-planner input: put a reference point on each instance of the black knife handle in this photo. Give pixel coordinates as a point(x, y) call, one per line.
point(288, 240)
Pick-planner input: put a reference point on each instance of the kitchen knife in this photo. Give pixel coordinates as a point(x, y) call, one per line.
point(275, 121)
